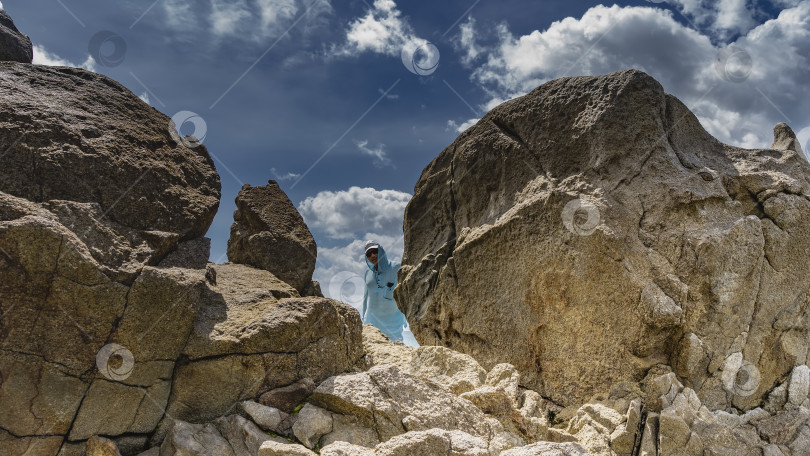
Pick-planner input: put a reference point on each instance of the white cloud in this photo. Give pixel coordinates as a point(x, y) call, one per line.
point(467, 42)
point(145, 97)
point(227, 17)
point(248, 20)
point(452, 125)
point(607, 39)
point(719, 17)
point(379, 154)
point(383, 30)
point(1, 5)
point(344, 214)
point(43, 57)
point(283, 177)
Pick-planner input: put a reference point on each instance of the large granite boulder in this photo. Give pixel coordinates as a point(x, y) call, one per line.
point(254, 333)
point(592, 229)
point(69, 134)
point(269, 233)
point(14, 46)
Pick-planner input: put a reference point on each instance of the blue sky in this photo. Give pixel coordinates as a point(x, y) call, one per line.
point(344, 103)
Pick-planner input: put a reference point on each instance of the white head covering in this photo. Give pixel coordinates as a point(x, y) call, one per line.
point(371, 245)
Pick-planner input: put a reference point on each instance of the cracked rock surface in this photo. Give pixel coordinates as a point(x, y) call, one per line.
point(609, 232)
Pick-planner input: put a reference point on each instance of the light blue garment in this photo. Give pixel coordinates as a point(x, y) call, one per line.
point(379, 307)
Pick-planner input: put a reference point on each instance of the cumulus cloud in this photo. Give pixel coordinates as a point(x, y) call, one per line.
point(145, 97)
point(43, 57)
point(383, 30)
point(344, 214)
point(607, 39)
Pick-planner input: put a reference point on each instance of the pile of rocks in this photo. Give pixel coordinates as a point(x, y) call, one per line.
point(112, 320)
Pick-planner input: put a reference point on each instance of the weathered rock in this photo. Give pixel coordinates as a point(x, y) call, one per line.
point(66, 323)
point(351, 430)
point(269, 233)
point(254, 334)
point(489, 399)
point(799, 385)
point(781, 428)
point(433, 441)
point(621, 207)
point(99, 446)
point(345, 449)
point(191, 254)
point(14, 46)
point(267, 418)
point(310, 424)
point(392, 403)
point(288, 397)
point(195, 439)
point(457, 371)
point(785, 139)
point(244, 437)
point(548, 449)
point(507, 378)
point(271, 448)
point(380, 350)
point(80, 136)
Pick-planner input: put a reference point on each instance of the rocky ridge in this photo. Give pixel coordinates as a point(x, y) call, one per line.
point(118, 337)
point(413, 404)
point(113, 322)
